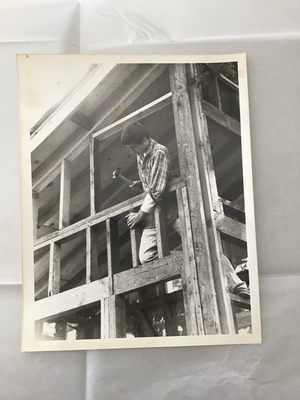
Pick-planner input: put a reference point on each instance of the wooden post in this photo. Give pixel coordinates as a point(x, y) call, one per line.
point(91, 254)
point(161, 231)
point(54, 269)
point(190, 172)
point(35, 212)
point(218, 93)
point(113, 312)
point(65, 195)
point(211, 202)
point(113, 253)
point(113, 317)
point(95, 176)
point(135, 240)
point(191, 290)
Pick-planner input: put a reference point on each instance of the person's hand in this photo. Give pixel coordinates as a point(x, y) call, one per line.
point(136, 186)
point(134, 218)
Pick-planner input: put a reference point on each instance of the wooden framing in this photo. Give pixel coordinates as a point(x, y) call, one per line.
point(189, 167)
point(207, 304)
point(211, 202)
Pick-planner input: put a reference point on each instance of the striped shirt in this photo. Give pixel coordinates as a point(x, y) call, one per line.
point(155, 170)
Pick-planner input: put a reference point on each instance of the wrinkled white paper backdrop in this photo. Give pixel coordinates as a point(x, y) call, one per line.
point(269, 33)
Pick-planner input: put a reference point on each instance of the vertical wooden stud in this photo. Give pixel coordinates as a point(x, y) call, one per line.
point(211, 202)
point(91, 254)
point(190, 172)
point(95, 175)
point(161, 231)
point(35, 212)
point(218, 93)
point(113, 312)
point(135, 240)
point(113, 254)
point(191, 290)
point(54, 269)
point(113, 317)
point(65, 194)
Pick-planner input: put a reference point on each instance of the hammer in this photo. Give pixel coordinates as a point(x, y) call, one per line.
point(116, 174)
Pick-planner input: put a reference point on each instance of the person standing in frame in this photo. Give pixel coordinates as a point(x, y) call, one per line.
point(155, 170)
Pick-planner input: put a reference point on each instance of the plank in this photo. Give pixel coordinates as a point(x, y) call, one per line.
point(82, 120)
point(92, 174)
point(210, 199)
point(184, 126)
point(91, 253)
point(141, 113)
point(232, 205)
point(218, 93)
point(113, 317)
point(191, 289)
point(151, 273)
point(65, 195)
point(54, 270)
point(233, 209)
point(71, 299)
point(232, 125)
point(161, 231)
point(35, 212)
point(233, 231)
point(238, 301)
point(113, 252)
point(135, 240)
point(95, 176)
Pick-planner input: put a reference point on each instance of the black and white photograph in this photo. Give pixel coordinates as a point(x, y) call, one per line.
point(138, 225)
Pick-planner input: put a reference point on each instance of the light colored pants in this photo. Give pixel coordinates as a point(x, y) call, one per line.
point(148, 252)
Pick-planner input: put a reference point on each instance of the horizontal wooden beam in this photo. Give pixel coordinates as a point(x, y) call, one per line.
point(222, 118)
point(71, 299)
point(231, 204)
point(240, 302)
point(82, 120)
point(228, 82)
point(100, 217)
point(133, 279)
point(157, 271)
point(143, 112)
point(233, 231)
point(233, 209)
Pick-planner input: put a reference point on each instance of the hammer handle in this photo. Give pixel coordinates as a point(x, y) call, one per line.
point(125, 179)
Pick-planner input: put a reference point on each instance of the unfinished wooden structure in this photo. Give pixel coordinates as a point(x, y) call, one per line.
point(88, 278)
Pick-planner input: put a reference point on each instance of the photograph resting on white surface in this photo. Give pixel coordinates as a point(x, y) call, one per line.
point(137, 202)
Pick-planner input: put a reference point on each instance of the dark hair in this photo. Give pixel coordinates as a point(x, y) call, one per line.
point(134, 133)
